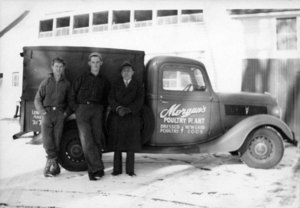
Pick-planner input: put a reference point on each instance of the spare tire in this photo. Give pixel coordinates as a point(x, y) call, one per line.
point(71, 155)
point(148, 124)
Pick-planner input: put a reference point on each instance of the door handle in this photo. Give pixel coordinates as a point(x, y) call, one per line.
point(163, 101)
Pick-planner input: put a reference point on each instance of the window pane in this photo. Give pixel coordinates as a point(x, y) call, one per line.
point(142, 15)
point(165, 13)
point(120, 17)
point(183, 78)
point(192, 11)
point(176, 80)
point(286, 33)
point(199, 79)
point(195, 15)
point(81, 21)
point(46, 25)
point(15, 79)
point(100, 18)
point(63, 22)
point(165, 17)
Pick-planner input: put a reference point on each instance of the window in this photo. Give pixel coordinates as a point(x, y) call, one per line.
point(62, 26)
point(81, 24)
point(183, 79)
point(121, 19)
point(63, 22)
point(46, 27)
point(81, 21)
point(286, 33)
point(192, 15)
point(100, 18)
point(176, 80)
point(15, 79)
point(100, 21)
point(143, 18)
point(199, 78)
point(166, 17)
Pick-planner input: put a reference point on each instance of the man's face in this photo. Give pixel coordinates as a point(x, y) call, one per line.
point(95, 64)
point(58, 69)
point(127, 72)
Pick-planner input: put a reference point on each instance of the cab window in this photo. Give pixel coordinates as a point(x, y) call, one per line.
point(176, 78)
point(199, 79)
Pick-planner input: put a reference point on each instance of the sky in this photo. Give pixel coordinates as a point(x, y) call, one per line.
point(10, 10)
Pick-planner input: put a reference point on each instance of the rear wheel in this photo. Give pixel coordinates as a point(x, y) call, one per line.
point(263, 148)
point(71, 154)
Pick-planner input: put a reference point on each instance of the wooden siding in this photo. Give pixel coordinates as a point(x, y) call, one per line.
point(281, 78)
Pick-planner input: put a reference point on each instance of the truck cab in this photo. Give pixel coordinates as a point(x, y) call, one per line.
point(186, 108)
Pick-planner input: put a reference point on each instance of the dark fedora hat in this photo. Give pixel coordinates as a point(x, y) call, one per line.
point(126, 63)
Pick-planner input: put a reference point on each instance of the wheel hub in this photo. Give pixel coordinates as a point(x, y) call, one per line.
point(261, 147)
point(76, 151)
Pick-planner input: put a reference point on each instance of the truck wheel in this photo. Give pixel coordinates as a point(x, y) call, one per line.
point(71, 155)
point(263, 149)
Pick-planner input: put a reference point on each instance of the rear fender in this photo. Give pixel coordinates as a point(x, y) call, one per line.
point(234, 138)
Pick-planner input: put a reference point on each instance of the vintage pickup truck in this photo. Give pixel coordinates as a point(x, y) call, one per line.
point(182, 112)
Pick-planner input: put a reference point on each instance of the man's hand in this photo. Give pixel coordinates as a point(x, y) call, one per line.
point(122, 111)
point(127, 110)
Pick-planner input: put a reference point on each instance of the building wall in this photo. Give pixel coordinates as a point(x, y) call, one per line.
point(281, 78)
point(270, 69)
point(218, 41)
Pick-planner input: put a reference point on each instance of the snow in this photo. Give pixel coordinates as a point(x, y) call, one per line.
point(174, 180)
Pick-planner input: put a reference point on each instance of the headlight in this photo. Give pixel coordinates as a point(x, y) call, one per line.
point(276, 111)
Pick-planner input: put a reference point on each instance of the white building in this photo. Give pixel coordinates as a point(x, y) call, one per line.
point(231, 37)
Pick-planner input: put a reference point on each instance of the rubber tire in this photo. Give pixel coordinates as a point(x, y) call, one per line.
point(274, 145)
point(67, 159)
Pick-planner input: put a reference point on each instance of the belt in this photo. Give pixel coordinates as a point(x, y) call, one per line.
point(91, 103)
point(52, 108)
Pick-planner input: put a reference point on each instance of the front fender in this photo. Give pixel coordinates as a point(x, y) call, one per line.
point(234, 138)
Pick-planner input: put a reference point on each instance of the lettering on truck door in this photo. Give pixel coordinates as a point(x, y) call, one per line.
point(183, 105)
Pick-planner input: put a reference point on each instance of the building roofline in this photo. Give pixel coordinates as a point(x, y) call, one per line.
point(246, 13)
point(14, 23)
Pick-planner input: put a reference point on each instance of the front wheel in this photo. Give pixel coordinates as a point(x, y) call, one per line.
point(71, 154)
point(263, 149)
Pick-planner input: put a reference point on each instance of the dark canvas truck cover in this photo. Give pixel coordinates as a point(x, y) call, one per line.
point(37, 66)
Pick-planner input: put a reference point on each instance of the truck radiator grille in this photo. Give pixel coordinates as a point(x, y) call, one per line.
point(244, 110)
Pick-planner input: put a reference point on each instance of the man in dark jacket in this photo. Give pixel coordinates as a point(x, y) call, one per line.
point(88, 99)
point(126, 99)
point(51, 102)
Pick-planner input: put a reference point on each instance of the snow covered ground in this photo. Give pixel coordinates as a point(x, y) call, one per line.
point(212, 181)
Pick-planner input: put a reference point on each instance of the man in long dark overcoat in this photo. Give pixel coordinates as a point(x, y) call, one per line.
point(126, 99)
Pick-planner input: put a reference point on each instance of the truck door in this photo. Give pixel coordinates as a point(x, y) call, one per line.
point(184, 105)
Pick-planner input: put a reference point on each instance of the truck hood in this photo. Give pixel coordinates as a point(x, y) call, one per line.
point(246, 98)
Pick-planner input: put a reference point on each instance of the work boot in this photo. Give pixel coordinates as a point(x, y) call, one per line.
point(100, 173)
point(48, 165)
point(54, 169)
point(96, 175)
point(92, 177)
